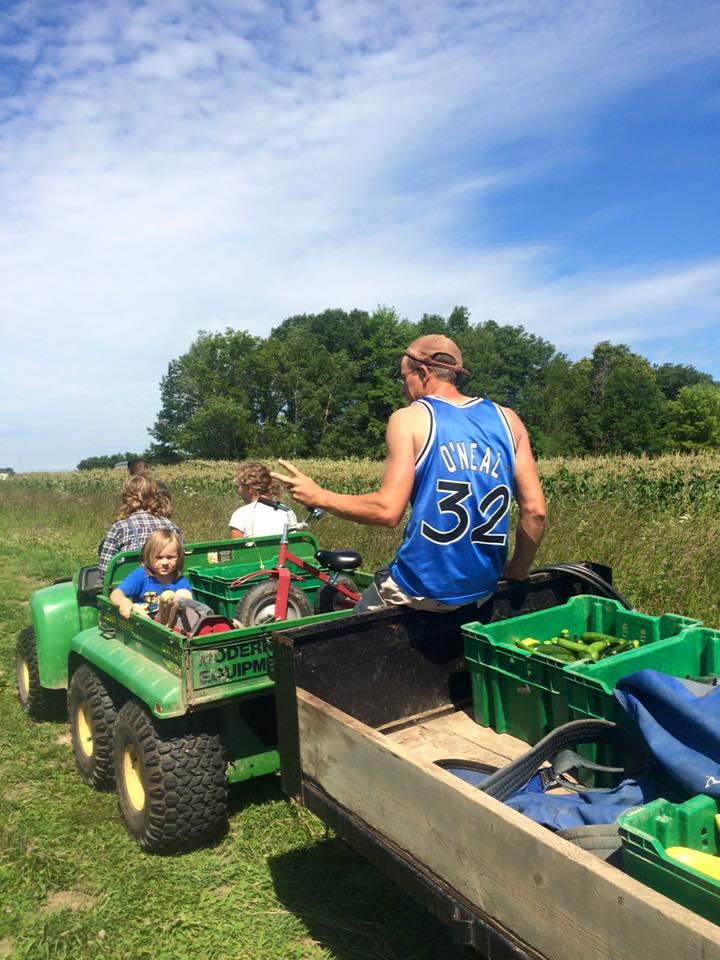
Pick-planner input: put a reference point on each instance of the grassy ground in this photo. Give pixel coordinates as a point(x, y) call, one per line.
point(75, 886)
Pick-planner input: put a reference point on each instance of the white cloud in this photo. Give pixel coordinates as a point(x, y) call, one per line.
point(170, 166)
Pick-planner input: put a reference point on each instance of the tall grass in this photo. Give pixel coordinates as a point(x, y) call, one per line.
point(679, 480)
point(74, 886)
point(653, 521)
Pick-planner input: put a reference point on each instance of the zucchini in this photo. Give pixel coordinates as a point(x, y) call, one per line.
point(556, 652)
point(593, 637)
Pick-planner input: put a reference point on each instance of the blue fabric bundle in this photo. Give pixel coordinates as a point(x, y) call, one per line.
point(681, 727)
point(558, 811)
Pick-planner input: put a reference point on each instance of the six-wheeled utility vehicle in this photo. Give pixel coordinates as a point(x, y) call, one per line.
point(170, 720)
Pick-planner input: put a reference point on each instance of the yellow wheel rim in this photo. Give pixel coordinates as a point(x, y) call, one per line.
point(84, 732)
point(132, 774)
point(23, 680)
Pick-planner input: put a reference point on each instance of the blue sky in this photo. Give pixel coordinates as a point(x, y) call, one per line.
point(173, 166)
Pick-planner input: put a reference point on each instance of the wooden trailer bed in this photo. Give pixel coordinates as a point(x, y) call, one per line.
point(365, 705)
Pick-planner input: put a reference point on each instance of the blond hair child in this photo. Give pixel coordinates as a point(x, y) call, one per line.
point(161, 569)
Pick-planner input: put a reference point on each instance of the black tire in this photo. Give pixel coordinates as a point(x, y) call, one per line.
point(327, 599)
point(93, 712)
point(258, 604)
point(171, 782)
point(38, 702)
point(602, 840)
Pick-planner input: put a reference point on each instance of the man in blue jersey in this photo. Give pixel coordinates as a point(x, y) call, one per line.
point(457, 460)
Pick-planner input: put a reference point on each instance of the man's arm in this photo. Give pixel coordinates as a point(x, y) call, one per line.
point(530, 500)
point(386, 506)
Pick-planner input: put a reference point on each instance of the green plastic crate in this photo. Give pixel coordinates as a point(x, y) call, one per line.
point(215, 591)
point(526, 694)
point(694, 653)
point(646, 833)
point(211, 582)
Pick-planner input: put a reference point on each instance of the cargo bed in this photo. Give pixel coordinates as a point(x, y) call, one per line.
point(365, 705)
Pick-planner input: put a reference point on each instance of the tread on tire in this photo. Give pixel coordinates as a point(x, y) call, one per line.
point(93, 712)
point(258, 604)
point(38, 702)
point(171, 781)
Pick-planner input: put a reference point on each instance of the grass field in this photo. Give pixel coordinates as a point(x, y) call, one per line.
point(75, 886)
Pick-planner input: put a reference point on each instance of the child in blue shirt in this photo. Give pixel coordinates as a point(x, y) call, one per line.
point(162, 563)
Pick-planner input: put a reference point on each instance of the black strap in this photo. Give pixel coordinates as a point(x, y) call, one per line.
point(556, 746)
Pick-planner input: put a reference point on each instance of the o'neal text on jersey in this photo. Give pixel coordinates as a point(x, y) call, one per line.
point(465, 456)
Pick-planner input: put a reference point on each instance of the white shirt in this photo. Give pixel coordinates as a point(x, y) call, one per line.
point(258, 520)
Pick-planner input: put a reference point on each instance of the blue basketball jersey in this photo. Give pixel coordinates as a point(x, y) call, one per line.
point(456, 539)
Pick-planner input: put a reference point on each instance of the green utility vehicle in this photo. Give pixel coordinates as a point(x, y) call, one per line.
point(170, 720)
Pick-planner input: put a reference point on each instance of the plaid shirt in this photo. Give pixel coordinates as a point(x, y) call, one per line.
point(131, 534)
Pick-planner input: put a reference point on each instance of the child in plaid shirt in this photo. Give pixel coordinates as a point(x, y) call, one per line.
point(144, 508)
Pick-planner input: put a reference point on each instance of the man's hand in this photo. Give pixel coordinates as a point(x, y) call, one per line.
point(303, 488)
point(513, 572)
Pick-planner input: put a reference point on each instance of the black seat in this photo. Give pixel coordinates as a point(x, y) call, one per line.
point(339, 559)
point(90, 583)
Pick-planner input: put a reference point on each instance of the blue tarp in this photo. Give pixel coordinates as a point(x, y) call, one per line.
point(681, 728)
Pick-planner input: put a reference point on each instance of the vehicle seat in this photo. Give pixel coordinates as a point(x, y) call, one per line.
point(339, 559)
point(90, 583)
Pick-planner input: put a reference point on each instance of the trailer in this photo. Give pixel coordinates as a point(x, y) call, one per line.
point(365, 706)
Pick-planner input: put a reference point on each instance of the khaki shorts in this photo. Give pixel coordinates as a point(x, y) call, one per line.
point(384, 592)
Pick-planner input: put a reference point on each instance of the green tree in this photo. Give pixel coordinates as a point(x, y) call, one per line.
point(329, 382)
point(560, 423)
point(105, 460)
point(672, 377)
point(694, 419)
point(323, 385)
point(216, 365)
point(219, 429)
point(630, 408)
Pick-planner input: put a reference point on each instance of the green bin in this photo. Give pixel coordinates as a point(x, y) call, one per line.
point(647, 832)
point(694, 653)
point(211, 582)
point(527, 694)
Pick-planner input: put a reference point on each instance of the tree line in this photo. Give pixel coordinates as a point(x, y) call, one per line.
point(323, 385)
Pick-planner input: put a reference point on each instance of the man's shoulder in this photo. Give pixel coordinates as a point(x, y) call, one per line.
point(416, 411)
point(411, 420)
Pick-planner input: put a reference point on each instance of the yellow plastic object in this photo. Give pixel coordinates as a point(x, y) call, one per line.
point(527, 643)
point(702, 862)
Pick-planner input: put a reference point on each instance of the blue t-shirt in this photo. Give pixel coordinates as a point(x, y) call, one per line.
point(456, 539)
point(140, 582)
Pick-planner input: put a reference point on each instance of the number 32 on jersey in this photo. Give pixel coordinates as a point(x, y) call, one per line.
point(493, 507)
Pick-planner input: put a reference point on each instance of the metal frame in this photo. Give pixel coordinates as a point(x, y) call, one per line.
point(469, 927)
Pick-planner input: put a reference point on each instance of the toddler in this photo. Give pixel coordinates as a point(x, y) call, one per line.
point(162, 563)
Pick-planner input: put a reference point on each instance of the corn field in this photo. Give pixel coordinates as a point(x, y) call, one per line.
point(674, 480)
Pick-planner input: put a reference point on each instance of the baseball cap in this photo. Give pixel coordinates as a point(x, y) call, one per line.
point(425, 349)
